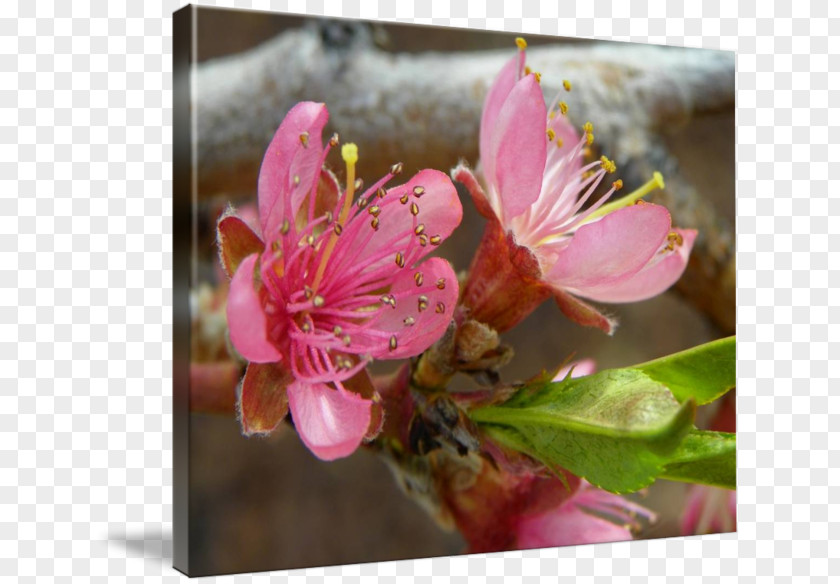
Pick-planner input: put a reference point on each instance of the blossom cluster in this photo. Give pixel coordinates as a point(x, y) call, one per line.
point(334, 277)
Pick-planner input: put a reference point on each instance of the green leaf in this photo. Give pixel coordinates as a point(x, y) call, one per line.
point(704, 373)
point(704, 457)
point(616, 428)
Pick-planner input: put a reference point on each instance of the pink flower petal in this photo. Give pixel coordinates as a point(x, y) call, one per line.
point(493, 102)
point(518, 148)
point(288, 155)
point(578, 368)
point(331, 422)
point(611, 249)
point(567, 525)
point(582, 313)
point(653, 279)
point(262, 401)
point(420, 317)
point(709, 510)
point(439, 211)
point(573, 522)
point(247, 322)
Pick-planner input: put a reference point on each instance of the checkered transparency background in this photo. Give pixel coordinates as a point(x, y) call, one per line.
point(86, 297)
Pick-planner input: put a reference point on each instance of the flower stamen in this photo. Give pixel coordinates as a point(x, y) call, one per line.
point(656, 182)
point(350, 154)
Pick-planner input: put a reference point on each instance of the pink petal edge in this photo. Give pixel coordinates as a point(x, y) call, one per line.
point(286, 157)
point(567, 525)
point(611, 249)
point(428, 324)
point(330, 422)
point(518, 148)
point(651, 280)
point(578, 368)
point(439, 210)
point(246, 319)
point(493, 102)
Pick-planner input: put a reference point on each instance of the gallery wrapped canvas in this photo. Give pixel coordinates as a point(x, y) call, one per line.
point(444, 291)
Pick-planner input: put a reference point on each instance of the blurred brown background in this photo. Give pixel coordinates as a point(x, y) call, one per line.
point(260, 504)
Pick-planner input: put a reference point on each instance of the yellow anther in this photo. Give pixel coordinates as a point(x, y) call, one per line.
point(318, 301)
point(400, 259)
point(551, 114)
point(408, 320)
point(440, 308)
point(296, 179)
point(538, 77)
point(441, 283)
point(336, 330)
point(559, 142)
point(550, 133)
point(435, 239)
point(304, 139)
point(334, 139)
point(587, 127)
point(590, 138)
point(564, 108)
point(375, 223)
point(521, 43)
point(617, 185)
point(392, 343)
point(350, 153)
point(418, 278)
point(397, 168)
point(607, 164)
point(527, 70)
point(566, 85)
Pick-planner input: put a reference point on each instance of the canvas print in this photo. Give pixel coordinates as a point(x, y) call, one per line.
point(442, 291)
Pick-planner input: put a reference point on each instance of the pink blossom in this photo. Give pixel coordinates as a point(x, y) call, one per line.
point(709, 510)
point(547, 235)
point(330, 284)
point(574, 521)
